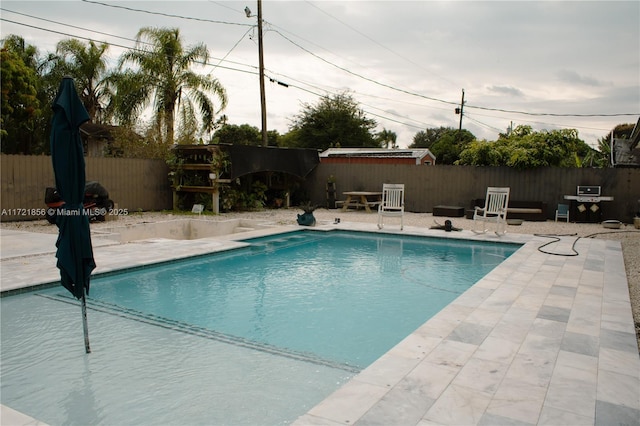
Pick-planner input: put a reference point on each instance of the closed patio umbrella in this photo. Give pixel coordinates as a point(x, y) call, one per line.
point(75, 253)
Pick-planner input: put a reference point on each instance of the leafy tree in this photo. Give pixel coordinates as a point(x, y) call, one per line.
point(525, 149)
point(243, 134)
point(128, 144)
point(19, 102)
point(27, 52)
point(426, 138)
point(446, 143)
point(386, 138)
point(87, 65)
point(163, 77)
point(334, 121)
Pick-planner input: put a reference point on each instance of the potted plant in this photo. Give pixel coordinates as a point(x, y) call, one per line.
point(307, 218)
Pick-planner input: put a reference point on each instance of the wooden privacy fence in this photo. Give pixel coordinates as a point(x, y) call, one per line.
point(429, 186)
point(138, 184)
point(133, 184)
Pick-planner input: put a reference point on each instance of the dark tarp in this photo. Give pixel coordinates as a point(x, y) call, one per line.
point(247, 159)
point(75, 253)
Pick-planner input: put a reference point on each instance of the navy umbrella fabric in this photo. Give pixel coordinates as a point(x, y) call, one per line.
point(75, 252)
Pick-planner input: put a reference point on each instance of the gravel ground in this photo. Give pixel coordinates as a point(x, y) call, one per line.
point(627, 235)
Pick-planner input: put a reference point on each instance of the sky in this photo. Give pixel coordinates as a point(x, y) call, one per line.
point(547, 64)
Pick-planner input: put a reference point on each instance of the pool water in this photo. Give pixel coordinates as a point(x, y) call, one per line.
point(257, 335)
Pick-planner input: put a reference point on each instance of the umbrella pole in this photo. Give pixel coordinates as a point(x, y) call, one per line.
point(84, 324)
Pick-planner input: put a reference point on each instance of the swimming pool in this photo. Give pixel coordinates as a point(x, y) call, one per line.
point(255, 335)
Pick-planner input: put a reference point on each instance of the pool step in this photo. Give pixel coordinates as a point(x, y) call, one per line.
point(203, 332)
point(277, 243)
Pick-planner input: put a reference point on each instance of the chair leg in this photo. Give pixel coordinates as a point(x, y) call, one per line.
point(475, 226)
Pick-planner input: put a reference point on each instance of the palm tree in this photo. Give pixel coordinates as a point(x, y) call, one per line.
point(163, 78)
point(87, 65)
point(386, 137)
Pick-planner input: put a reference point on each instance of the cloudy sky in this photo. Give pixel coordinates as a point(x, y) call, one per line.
point(546, 64)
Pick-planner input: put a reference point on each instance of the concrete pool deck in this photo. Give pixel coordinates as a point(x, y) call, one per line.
point(542, 339)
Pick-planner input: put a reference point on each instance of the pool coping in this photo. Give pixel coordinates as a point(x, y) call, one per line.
point(542, 339)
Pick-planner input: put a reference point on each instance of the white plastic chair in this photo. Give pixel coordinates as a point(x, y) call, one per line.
point(562, 212)
point(392, 204)
point(494, 210)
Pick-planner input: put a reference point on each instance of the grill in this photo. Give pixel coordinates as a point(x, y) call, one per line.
point(585, 205)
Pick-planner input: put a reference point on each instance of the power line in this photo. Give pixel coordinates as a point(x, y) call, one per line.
point(169, 15)
point(378, 43)
point(297, 45)
point(134, 48)
point(115, 44)
point(488, 126)
point(359, 75)
point(550, 114)
point(66, 25)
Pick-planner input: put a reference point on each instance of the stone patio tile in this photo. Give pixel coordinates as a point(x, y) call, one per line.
point(387, 370)
point(496, 349)
point(548, 328)
point(482, 375)
point(621, 362)
point(349, 403)
point(611, 414)
point(432, 379)
point(559, 301)
point(576, 360)
point(537, 345)
point(534, 370)
point(513, 327)
point(619, 389)
point(408, 401)
point(458, 405)
point(592, 276)
point(451, 353)
point(415, 346)
point(493, 420)
point(484, 317)
point(445, 321)
point(518, 400)
point(618, 340)
point(502, 298)
point(573, 390)
point(580, 343)
point(473, 297)
point(554, 313)
point(469, 333)
point(531, 298)
point(552, 416)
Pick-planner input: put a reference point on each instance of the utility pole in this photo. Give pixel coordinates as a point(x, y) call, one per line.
point(460, 111)
point(263, 98)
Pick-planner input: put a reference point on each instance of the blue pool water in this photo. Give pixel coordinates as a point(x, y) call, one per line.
point(257, 335)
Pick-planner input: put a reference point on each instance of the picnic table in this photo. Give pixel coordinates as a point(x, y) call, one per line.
point(357, 199)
